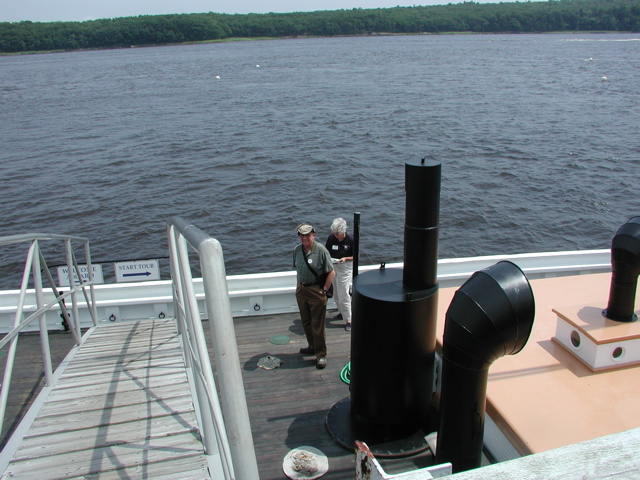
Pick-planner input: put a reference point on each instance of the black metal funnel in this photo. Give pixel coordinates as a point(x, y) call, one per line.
point(393, 335)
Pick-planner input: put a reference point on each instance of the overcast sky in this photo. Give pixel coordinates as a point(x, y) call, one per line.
point(79, 10)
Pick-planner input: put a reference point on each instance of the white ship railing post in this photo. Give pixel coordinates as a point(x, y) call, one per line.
point(225, 349)
point(72, 265)
point(44, 334)
point(226, 353)
point(215, 438)
point(176, 283)
point(11, 354)
point(92, 292)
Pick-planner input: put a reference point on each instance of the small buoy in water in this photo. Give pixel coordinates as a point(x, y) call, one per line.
point(257, 66)
point(605, 79)
point(217, 77)
point(588, 59)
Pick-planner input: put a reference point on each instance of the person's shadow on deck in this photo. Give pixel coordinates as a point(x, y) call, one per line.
point(296, 328)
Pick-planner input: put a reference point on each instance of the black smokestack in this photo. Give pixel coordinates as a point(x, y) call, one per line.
point(422, 184)
point(394, 320)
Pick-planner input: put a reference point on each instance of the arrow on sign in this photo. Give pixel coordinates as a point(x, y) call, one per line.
point(136, 274)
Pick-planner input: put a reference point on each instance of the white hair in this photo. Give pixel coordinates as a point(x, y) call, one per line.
point(339, 226)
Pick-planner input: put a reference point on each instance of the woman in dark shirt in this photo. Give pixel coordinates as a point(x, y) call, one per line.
point(340, 246)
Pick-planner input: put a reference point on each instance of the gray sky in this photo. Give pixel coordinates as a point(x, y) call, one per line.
point(79, 10)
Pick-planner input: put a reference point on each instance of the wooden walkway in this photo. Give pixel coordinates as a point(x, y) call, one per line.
point(121, 409)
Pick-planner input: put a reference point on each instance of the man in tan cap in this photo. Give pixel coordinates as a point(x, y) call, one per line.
point(315, 275)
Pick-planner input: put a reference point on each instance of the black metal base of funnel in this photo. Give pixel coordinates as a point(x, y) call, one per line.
point(345, 430)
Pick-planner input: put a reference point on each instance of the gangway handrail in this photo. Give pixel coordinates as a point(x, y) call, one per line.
point(28, 237)
point(225, 424)
point(36, 267)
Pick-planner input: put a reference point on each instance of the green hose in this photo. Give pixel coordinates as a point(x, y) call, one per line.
point(345, 373)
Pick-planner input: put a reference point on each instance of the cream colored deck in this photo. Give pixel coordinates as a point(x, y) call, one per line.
point(121, 409)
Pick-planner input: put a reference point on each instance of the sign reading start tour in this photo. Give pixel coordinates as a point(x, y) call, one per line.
point(137, 271)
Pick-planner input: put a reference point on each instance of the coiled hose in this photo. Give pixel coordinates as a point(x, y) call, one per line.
point(345, 373)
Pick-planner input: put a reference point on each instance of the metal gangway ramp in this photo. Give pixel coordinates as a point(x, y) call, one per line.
point(121, 408)
point(133, 399)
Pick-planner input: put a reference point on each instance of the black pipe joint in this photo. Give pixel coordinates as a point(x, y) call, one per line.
point(490, 316)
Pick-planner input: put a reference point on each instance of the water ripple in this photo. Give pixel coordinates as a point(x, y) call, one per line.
point(537, 151)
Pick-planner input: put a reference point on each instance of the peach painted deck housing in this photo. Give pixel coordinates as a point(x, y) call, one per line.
point(546, 397)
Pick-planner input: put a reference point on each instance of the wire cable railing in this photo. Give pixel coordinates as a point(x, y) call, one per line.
point(226, 429)
point(36, 268)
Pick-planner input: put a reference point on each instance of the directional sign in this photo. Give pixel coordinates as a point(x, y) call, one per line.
point(63, 274)
point(137, 271)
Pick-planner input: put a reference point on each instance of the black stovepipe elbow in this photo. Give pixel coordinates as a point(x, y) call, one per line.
point(625, 268)
point(490, 316)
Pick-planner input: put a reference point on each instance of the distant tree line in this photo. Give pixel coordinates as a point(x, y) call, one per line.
point(528, 17)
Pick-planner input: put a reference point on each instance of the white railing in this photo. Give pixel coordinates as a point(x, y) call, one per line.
point(35, 267)
point(273, 293)
point(226, 429)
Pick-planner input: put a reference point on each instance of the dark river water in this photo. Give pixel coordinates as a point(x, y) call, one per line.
point(538, 136)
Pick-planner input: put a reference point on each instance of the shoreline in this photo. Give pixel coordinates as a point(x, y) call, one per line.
point(375, 34)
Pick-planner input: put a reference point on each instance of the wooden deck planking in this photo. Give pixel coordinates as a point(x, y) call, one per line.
point(133, 356)
point(127, 414)
point(124, 399)
point(83, 420)
point(165, 392)
point(109, 458)
point(123, 379)
point(288, 405)
point(108, 389)
point(57, 443)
